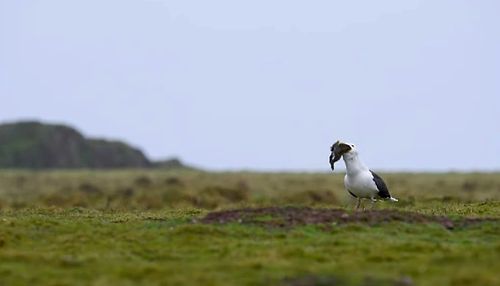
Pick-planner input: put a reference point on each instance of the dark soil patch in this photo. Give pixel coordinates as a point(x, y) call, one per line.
point(320, 280)
point(286, 217)
point(312, 280)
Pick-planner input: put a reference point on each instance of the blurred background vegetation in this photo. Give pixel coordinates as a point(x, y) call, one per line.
point(55, 166)
point(180, 188)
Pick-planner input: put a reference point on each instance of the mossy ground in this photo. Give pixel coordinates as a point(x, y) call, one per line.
point(131, 240)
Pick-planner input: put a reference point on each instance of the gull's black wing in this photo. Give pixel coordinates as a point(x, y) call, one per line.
point(383, 191)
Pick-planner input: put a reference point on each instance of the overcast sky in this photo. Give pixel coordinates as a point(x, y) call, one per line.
point(263, 84)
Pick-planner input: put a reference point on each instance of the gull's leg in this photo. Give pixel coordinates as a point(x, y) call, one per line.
point(359, 203)
point(373, 203)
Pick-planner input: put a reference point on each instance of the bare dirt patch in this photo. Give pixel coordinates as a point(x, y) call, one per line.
point(287, 217)
point(318, 280)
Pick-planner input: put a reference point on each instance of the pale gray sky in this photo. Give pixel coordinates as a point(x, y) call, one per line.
point(263, 84)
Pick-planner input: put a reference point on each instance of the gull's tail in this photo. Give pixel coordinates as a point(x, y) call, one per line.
point(393, 199)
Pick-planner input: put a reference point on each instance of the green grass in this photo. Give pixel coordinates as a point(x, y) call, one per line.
point(53, 231)
point(157, 189)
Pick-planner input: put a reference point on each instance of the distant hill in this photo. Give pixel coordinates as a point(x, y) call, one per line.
point(36, 145)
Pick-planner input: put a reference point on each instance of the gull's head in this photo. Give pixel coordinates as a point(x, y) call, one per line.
point(340, 149)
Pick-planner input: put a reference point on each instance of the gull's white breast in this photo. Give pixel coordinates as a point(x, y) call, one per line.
point(361, 184)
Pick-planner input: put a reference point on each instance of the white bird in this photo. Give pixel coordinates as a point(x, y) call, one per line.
point(359, 181)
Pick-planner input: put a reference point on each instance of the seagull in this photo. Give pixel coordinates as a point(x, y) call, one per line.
point(359, 181)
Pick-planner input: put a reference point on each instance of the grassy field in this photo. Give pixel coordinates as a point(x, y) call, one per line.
point(152, 228)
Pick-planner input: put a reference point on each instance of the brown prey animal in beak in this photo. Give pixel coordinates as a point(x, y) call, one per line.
point(338, 149)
